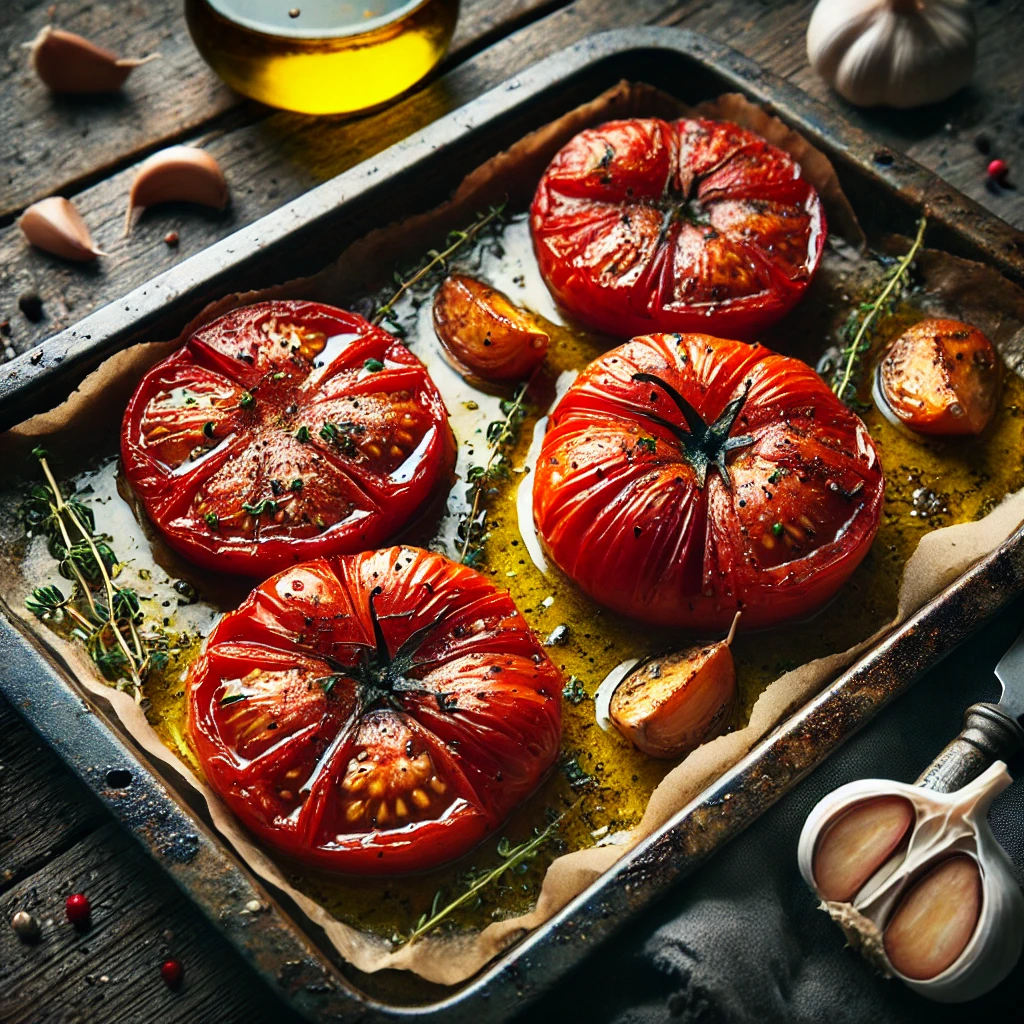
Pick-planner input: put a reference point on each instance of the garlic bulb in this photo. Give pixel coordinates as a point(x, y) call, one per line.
point(895, 53)
point(56, 226)
point(918, 882)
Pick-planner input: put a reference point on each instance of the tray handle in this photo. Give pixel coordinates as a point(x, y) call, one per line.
point(988, 734)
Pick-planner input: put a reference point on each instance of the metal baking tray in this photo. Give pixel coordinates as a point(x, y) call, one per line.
point(888, 190)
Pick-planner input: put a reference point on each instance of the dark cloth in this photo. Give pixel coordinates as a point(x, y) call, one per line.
point(742, 939)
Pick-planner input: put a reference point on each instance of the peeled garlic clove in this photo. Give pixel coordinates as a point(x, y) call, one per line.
point(671, 704)
point(56, 226)
point(180, 173)
point(935, 920)
point(69, 63)
point(857, 843)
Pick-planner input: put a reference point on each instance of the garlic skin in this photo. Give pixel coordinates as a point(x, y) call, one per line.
point(181, 173)
point(945, 825)
point(55, 226)
point(69, 63)
point(894, 53)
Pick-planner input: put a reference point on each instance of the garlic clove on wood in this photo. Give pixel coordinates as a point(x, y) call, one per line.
point(935, 920)
point(56, 226)
point(69, 63)
point(946, 826)
point(857, 843)
point(670, 704)
point(896, 53)
point(181, 173)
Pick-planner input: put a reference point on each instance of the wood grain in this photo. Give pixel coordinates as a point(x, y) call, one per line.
point(59, 144)
point(54, 836)
point(111, 971)
point(283, 155)
point(40, 816)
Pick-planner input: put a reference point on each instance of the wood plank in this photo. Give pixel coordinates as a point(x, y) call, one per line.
point(58, 145)
point(111, 972)
point(283, 155)
point(42, 811)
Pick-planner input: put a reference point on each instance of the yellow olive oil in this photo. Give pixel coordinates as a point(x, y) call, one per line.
point(602, 784)
point(322, 56)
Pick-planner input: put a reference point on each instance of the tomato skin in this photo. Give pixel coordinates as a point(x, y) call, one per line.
point(940, 377)
point(483, 334)
point(621, 511)
point(374, 773)
point(223, 442)
point(694, 225)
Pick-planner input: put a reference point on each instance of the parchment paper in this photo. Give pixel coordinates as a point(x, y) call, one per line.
point(939, 559)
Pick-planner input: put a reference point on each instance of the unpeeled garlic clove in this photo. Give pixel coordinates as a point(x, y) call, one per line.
point(857, 843)
point(669, 705)
point(181, 173)
point(935, 920)
point(69, 63)
point(56, 226)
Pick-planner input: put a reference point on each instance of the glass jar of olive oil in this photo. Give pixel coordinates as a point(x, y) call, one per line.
point(322, 56)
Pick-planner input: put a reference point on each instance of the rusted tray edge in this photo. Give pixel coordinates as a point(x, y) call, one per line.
point(210, 876)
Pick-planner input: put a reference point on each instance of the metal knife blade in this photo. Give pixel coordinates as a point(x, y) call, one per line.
point(1010, 672)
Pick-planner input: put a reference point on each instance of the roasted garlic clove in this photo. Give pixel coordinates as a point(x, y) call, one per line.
point(940, 377)
point(857, 843)
point(935, 920)
point(180, 173)
point(56, 226)
point(484, 334)
point(69, 63)
point(671, 704)
point(946, 915)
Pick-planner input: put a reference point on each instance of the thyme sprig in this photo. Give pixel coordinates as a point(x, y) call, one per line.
point(863, 321)
point(107, 618)
point(455, 241)
point(511, 858)
point(501, 435)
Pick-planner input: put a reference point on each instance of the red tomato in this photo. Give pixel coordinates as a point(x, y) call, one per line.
point(283, 431)
point(684, 477)
point(374, 713)
point(694, 225)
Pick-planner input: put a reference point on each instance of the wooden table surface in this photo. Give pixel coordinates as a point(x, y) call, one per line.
point(55, 838)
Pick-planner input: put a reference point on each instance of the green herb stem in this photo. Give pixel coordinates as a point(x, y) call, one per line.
point(896, 279)
point(459, 239)
point(515, 856)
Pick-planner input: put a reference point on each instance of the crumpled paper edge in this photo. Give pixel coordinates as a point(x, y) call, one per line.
point(513, 174)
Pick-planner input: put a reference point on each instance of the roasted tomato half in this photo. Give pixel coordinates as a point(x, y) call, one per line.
point(374, 713)
point(940, 377)
point(283, 431)
point(692, 225)
point(684, 477)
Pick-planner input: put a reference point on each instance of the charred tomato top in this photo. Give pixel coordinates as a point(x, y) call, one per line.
point(374, 713)
point(282, 431)
point(693, 225)
point(684, 477)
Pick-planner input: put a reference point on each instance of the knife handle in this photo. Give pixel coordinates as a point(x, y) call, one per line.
point(989, 734)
